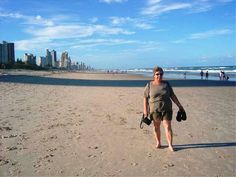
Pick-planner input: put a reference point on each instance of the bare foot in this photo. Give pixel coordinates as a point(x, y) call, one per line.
point(171, 148)
point(158, 146)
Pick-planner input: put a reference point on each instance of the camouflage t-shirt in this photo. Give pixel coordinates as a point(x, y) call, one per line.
point(159, 96)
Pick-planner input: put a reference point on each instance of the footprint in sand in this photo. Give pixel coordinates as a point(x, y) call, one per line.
point(134, 164)
point(147, 132)
point(122, 121)
point(168, 165)
point(190, 135)
point(5, 128)
point(12, 148)
point(3, 161)
point(47, 159)
point(10, 136)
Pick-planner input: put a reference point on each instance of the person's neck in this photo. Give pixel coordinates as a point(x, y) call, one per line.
point(156, 82)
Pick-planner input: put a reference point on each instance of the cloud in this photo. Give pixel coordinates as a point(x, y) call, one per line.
point(75, 31)
point(151, 2)
point(204, 35)
point(159, 7)
point(32, 20)
point(210, 33)
point(144, 26)
point(101, 42)
point(155, 7)
point(138, 23)
point(118, 21)
point(65, 35)
point(179, 41)
point(12, 15)
point(112, 1)
point(32, 44)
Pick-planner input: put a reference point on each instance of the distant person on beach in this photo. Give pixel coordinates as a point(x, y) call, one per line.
point(184, 75)
point(201, 74)
point(207, 74)
point(158, 105)
point(220, 75)
point(223, 75)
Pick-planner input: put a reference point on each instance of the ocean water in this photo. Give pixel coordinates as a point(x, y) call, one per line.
point(191, 72)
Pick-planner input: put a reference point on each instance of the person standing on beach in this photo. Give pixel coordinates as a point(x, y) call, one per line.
point(158, 105)
point(223, 75)
point(201, 73)
point(207, 74)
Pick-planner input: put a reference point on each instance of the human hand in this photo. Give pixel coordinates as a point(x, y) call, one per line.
point(181, 108)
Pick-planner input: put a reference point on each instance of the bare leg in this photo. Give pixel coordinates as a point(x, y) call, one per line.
point(169, 133)
point(157, 133)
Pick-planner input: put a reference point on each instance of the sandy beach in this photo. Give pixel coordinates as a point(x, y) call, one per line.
point(87, 124)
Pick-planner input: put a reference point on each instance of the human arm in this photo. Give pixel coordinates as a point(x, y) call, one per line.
point(176, 101)
point(145, 106)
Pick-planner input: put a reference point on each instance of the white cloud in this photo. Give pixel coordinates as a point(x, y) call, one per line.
point(151, 2)
point(32, 44)
point(179, 41)
point(32, 20)
point(210, 33)
point(38, 20)
point(144, 26)
point(158, 7)
point(101, 42)
point(138, 23)
point(12, 15)
point(112, 1)
point(75, 31)
point(118, 21)
point(204, 35)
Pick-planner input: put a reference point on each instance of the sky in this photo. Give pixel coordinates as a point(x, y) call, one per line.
point(124, 34)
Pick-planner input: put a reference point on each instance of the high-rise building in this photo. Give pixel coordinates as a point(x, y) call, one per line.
point(1, 53)
point(54, 58)
point(11, 52)
point(30, 59)
point(7, 53)
point(65, 60)
point(42, 61)
point(48, 58)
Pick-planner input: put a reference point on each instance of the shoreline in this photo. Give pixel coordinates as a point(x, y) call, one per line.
point(96, 79)
point(168, 76)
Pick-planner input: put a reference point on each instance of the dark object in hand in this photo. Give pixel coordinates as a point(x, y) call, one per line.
point(146, 120)
point(181, 115)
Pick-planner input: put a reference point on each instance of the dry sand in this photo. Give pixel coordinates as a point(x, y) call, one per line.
point(86, 124)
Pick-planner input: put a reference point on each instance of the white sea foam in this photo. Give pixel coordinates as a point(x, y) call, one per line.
point(191, 72)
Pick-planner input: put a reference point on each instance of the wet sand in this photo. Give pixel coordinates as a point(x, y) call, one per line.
point(87, 124)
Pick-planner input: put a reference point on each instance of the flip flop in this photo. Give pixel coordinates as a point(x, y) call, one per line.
point(178, 116)
point(183, 116)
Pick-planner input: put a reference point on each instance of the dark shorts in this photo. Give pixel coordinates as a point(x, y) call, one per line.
point(157, 116)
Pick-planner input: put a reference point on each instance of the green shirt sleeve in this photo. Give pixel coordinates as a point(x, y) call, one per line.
point(146, 91)
point(170, 89)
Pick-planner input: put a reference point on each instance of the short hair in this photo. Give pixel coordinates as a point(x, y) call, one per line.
point(156, 69)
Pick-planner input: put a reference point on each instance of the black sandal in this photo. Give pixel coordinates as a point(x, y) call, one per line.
point(146, 120)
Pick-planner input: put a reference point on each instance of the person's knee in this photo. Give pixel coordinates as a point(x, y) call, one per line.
point(167, 125)
point(157, 126)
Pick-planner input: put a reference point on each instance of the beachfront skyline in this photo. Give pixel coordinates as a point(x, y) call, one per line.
point(124, 33)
